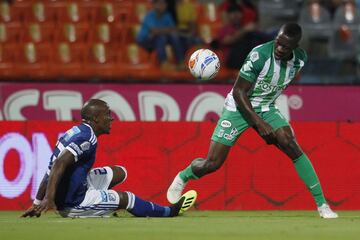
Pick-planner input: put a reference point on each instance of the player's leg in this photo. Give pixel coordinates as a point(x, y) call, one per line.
point(287, 143)
point(228, 129)
point(119, 175)
point(104, 178)
point(102, 203)
point(142, 208)
point(96, 203)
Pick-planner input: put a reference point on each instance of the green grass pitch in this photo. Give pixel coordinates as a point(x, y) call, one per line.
point(289, 225)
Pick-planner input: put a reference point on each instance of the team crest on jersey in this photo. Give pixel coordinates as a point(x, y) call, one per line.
point(112, 197)
point(254, 56)
point(85, 146)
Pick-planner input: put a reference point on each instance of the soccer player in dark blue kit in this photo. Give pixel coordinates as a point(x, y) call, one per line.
point(75, 190)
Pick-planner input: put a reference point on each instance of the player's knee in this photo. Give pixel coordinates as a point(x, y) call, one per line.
point(212, 165)
point(289, 144)
point(285, 141)
point(119, 174)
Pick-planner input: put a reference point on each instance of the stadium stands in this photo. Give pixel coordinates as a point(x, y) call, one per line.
point(71, 30)
point(82, 39)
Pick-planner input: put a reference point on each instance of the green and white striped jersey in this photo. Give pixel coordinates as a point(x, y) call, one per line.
point(268, 75)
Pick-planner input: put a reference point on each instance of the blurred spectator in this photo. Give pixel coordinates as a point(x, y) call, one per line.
point(187, 16)
point(247, 8)
point(171, 8)
point(158, 30)
point(236, 39)
point(331, 5)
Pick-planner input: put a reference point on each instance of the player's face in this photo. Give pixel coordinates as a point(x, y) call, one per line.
point(160, 6)
point(105, 120)
point(284, 47)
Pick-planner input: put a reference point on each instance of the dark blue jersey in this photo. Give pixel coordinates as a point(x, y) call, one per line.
point(81, 142)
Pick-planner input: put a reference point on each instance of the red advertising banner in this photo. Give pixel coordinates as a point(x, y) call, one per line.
point(255, 176)
point(168, 102)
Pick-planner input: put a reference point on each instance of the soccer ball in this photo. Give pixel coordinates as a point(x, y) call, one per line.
point(204, 64)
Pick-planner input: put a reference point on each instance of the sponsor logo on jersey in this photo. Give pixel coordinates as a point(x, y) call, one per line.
point(269, 87)
point(85, 146)
point(225, 124)
point(234, 132)
point(228, 137)
point(71, 132)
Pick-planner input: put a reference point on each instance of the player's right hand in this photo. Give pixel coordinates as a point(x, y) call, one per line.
point(266, 132)
point(32, 211)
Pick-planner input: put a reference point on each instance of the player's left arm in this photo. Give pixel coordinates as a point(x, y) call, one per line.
point(65, 160)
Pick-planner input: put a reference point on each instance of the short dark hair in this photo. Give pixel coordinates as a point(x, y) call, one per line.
point(292, 30)
point(91, 108)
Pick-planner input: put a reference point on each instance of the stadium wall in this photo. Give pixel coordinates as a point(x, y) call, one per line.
point(254, 177)
point(168, 102)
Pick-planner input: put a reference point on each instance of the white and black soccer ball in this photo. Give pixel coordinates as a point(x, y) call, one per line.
point(204, 64)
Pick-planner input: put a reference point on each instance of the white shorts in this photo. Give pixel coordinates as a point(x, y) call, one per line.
point(99, 201)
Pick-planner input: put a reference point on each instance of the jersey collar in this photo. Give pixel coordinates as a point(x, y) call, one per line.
point(93, 136)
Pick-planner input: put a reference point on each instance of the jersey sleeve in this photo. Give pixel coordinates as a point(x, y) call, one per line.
point(303, 56)
point(79, 145)
point(252, 66)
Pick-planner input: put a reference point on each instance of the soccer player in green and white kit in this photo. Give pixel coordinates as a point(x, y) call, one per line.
point(267, 71)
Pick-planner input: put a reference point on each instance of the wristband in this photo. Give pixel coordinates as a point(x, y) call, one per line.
point(36, 201)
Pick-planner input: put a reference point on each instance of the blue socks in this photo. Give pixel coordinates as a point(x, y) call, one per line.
point(142, 208)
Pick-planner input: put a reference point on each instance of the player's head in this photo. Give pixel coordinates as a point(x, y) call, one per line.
point(287, 40)
point(159, 6)
point(97, 113)
point(234, 14)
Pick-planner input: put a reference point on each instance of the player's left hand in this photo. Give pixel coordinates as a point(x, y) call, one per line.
point(32, 211)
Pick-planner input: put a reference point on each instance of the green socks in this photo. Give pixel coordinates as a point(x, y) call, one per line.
point(303, 167)
point(188, 174)
point(307, 173)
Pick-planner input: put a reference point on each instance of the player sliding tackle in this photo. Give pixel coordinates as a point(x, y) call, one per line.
point(267, 71)
point(76, 190)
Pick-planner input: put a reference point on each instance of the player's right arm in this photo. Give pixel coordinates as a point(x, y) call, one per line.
point(247, 77)
point(33, 210)
point(240, 93)
point(65, 160)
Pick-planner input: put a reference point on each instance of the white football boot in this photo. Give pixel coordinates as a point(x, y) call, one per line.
point(175, 190)
point(326, 212)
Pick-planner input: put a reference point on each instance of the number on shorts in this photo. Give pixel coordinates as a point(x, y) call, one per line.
point(100, 171)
